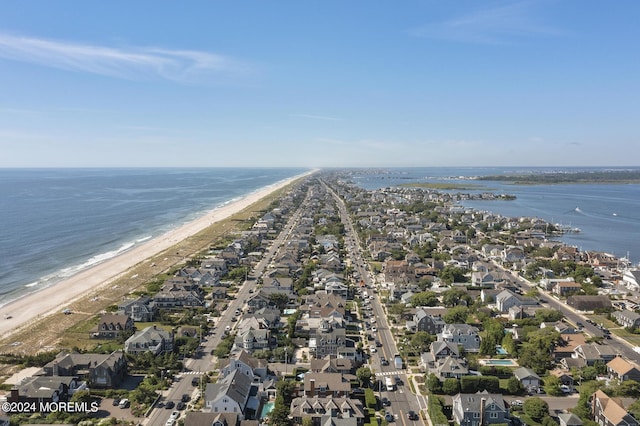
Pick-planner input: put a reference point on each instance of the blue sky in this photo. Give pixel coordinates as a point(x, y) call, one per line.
point(319, 83)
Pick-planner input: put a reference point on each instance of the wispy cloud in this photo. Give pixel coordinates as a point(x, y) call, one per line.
point(316, 117)
point(504, 24)
point(133, 63)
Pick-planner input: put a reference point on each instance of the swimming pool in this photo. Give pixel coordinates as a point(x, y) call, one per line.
point(500, 362)
point(266, 409)
point(500, 350)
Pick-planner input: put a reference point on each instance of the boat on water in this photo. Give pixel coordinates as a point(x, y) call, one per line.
point(566, 229)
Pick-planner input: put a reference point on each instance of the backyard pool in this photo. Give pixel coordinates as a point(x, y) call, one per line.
point(266, 409)
point(499, 362)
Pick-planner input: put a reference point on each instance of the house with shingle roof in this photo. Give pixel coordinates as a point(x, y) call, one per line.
point(328, 411)
point(627, 318)
point(248, 365)
point(45, 389)
point(592, 352)
point(326, 385)
point(468, 408)
point(621, 369)
point(609, 411)
point(231, 394)
point(98, 370)
point(569, 419)
point(529, 379)
point(461, 334)
point(152, 339)
point(110, 326)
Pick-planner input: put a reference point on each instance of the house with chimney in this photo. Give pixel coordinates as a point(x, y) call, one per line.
point(621, 369)
point(342, 411)
point(608, 411)
point(98, 370)
point(152, 339)
point(246, 364)
point(111, 326)
point(139, 310)
point(327, 385)
point(464, 335)
point(627, 318)
point(45, 389)
point(232, 394)
point(429, 323)
point(479, 409)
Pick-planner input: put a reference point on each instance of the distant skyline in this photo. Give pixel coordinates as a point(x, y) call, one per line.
point(319, 84)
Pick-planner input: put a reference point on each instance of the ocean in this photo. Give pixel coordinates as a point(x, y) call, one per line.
point(57, 222)
point(608, 215)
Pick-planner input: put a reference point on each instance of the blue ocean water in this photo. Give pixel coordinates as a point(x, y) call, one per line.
point(56, 222)
point(608, 215)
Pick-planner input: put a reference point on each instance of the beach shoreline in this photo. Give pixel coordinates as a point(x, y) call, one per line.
point(17, 314)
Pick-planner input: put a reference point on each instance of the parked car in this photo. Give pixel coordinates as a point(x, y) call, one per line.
point(185, 397)
point(385, 401)
point(412, 415)
point(124, 403)
point(169, 405)
point(389, 417)
point(116, 402)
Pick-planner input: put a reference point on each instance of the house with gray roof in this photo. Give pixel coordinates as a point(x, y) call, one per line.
point(43, 389)
point(461, 334)
point(139, 309)
point(98, 370)
point(429, 323)
point(450, 368)
point(479, 409)
point(342, 411)
point(152, 339)
point(326, 385)
point(507, 299)
point(231, 394)
point(248, 365)
point(627, 318)
point(529, 379)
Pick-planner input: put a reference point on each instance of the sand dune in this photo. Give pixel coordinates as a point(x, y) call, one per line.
point(54, 298)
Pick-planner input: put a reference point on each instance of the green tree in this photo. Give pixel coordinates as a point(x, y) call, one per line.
point(421, 341)
point(514, 387)
point(548, 315)
point(456, 296)
point(425, 298)
point(453, 274)
point(433, 383)
point(456, 315)
point(552, 386)
point(536, 408)
point(279, 300)
point(364, 376)
point(280, 414)
point(451, 386)
point(628, 388)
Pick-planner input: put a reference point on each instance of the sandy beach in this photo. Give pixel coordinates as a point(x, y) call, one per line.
point(54, 299)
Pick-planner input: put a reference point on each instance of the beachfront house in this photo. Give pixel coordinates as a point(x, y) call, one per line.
point(112, 326)
point(98, 370)
point(152, 339)
point(139, 310)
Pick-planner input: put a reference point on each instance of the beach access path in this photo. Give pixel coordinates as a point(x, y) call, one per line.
point(53, 299)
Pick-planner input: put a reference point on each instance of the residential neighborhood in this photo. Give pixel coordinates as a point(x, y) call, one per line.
point(351, 307)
